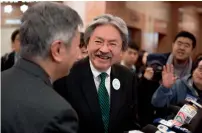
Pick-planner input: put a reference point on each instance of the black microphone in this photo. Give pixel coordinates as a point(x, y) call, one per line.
point(173, 109)
point(171, 126)
point(196, 123)
point(182, 103)
point(187, 112)
point(150, 129)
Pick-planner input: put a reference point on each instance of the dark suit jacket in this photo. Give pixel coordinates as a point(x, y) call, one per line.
point(80, 90)
point(30, 105)
point(7, 61)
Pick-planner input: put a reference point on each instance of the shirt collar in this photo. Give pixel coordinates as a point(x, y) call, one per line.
point(16, 56)
point(123, 63)
point(96, 73)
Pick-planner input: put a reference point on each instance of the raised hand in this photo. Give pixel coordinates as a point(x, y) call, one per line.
point(168, 77)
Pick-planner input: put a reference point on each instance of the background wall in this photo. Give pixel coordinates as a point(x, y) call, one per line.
point(153, 25)
point(80, 7)
point(5, 39)
point(7, 29)
point(155, 9)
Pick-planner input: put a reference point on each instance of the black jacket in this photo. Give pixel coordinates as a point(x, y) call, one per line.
point(79, 89)
point(7, 61)
point(30, 105)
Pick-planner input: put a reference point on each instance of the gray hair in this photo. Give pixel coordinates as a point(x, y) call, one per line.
point(44, 23)
point(108, 19)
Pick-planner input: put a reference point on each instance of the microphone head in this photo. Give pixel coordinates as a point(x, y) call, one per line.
point(183, 102)
point(185, 115)
point(174, 109)
point(149, 129)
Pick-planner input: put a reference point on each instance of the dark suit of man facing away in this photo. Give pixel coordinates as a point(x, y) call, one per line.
point(29, 103)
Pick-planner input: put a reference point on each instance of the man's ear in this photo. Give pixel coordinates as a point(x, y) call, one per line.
point(56, 51)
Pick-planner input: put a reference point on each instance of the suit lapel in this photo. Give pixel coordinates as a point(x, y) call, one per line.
point(116, 97)
point(90, 93)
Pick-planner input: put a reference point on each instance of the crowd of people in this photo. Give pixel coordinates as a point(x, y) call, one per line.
point(59, 80)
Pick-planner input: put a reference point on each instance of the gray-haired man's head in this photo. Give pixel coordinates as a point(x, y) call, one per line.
point(106, 37)
point(50, 30)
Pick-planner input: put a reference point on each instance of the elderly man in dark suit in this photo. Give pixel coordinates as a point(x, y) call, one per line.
point(102, 92)
point(49, 40)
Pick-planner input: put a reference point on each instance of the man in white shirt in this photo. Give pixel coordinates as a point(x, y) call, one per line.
point(97, 79)
point(102, 92)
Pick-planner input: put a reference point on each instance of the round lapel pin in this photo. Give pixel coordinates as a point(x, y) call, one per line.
point(116, 84)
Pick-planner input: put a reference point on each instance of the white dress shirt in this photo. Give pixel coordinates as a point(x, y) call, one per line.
point(16, 57)
point(132, 67)
point(97, 79)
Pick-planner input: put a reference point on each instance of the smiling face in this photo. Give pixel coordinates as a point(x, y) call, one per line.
point(104, 47)
point(182, 48)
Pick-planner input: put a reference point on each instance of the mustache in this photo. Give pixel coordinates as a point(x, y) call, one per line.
point(180, 50)
point(101, 54)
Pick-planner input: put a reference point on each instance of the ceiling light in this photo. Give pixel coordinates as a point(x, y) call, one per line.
point(8, 9)
point(23, 8)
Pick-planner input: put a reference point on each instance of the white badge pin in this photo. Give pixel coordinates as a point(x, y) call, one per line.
point(116, 84)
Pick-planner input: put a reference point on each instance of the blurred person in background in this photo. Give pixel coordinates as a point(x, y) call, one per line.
point(171, 92)
point(182, 47)
point(141, 63)
point(83, 48)
point(49, 39)
point(146, 88)
point(101, 91)
point(9, 59)
point(130, 56)
point(199, 55)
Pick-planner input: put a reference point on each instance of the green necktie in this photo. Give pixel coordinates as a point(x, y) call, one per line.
point(103, 97)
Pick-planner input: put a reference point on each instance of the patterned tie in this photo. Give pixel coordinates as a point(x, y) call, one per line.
point(104, 101)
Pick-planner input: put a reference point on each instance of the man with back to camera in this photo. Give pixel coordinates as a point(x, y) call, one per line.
point(97, 87)
point(9, 59)
point(49, 47)
point(130, 56)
